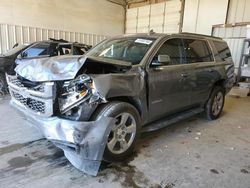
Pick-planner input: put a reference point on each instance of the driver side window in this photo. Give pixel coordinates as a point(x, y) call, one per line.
point(173, 48)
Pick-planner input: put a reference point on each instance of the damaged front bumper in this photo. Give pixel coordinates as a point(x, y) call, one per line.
point(83, 143)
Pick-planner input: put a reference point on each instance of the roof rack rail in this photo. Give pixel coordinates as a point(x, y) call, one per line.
point(151, 32)
point(196, 34)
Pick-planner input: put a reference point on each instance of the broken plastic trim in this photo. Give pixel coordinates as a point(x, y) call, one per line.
point(83, 143)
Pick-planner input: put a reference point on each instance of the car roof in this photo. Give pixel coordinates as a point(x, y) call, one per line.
point(183, 34)
point(63, 42)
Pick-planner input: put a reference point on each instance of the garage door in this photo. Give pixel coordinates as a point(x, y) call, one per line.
point(161, 17)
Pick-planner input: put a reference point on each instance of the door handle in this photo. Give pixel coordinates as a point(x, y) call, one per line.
point(158, 68)
point(184, 74)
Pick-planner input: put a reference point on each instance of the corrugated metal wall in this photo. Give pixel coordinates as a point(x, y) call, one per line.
point(201, 15)
point(161, 17)
point(234, 37)
point(12, 34)
point(235, 32)
point(239, 11)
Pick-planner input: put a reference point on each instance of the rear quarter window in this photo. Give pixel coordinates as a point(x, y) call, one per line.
point(223, 51)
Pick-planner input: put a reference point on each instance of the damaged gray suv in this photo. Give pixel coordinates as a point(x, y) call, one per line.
point(95, 106)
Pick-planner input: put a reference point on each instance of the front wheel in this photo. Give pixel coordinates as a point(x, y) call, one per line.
point(215, 103)
point(125, 131)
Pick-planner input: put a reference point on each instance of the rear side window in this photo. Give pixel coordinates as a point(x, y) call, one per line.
point(79, 51)
point(197, 51)
point(64, 49)
point(223, 52)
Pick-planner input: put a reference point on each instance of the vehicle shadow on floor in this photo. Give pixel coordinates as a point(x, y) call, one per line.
point(185, 126)
point(126, 170)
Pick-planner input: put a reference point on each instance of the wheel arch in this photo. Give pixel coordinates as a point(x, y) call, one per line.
point(135, 103)
point(219, 82)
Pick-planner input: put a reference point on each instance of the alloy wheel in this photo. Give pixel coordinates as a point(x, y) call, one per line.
point(217, 103)
point(122, 134)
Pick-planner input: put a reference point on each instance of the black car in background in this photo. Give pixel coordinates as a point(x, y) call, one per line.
point(23, 52)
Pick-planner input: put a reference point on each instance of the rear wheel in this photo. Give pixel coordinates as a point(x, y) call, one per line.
point(215, 103)
point(125, 131)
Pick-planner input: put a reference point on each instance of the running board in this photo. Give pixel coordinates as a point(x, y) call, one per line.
point(171, 119)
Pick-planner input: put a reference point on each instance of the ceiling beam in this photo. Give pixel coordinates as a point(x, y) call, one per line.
point(122, 3)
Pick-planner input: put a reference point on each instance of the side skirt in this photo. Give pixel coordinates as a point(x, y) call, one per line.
point(171, 119)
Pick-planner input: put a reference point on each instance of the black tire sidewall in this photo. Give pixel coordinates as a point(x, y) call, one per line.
point(4, 87)
point(209, 104)
point(113, 109)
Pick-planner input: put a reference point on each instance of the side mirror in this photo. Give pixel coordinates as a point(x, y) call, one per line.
point(23, 54)
point(160, 60)
point(19, 56)
point(163, 59)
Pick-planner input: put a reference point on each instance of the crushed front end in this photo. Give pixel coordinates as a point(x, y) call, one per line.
point(53, 107)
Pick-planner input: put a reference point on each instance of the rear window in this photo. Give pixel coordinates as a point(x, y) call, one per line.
point(223, 52)
point(197, 51)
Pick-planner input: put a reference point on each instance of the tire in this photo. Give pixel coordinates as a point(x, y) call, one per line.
point(120, 143)
point(3, 85)
point(215, 103)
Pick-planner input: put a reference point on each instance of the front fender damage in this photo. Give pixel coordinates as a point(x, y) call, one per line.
point(83, 142)
point(90, 142)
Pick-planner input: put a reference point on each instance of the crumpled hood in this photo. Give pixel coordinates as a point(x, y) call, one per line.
point(60, 67)
point(51, 68)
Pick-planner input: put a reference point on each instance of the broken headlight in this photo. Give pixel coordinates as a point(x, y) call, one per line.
point(75, 92)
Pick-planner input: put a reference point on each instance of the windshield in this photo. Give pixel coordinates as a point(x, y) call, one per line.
point(124, 49)
point(15, 50)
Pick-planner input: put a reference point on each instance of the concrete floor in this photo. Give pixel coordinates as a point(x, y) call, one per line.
point(193, 153)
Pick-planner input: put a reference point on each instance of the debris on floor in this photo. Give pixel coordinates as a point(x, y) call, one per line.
point(214, 171)
point(188, 129)
point(160, 150)
point(198, 133)
point(244, 171)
